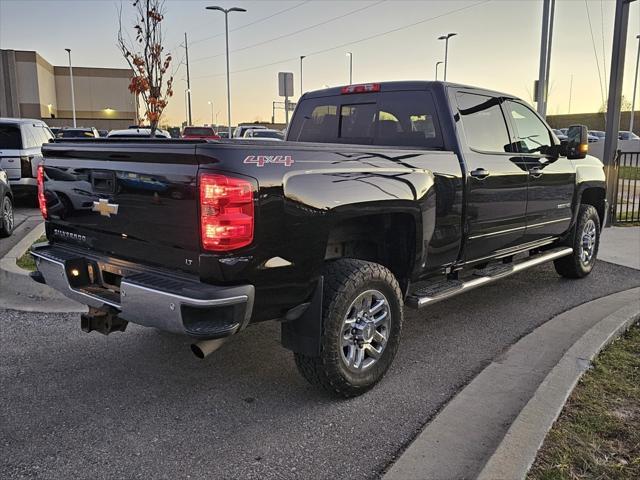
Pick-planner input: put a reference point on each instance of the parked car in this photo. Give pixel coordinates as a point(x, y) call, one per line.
point(627, 136)
point(6, 205)
point(137, 133)
point(82, 132)
point(386, 196)
point(598, 134)
point(561, 136)
point(263, 134)
point(55, 130)
point(223, 133)
point(241, 129)
point(206, 133)
point(21, 142)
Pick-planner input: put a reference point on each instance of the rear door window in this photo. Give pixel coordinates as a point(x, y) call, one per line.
point(402, 118)
point(10, 137)
point(484, 124)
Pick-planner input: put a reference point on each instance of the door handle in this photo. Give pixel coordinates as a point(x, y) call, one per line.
point(479, 173)
point(535, 172)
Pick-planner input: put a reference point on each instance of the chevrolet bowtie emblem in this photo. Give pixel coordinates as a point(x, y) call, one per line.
point(105, 208)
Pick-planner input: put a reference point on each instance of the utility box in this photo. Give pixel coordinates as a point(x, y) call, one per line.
point(285, 84)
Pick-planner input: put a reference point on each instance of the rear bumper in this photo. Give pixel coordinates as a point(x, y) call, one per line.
point(145, 296)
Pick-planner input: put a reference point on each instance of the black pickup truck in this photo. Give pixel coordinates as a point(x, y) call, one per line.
point(384, 196)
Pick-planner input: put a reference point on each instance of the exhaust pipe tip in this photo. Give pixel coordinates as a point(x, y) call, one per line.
point(205, 348)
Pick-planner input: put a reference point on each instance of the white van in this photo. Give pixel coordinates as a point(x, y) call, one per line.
point(21, 142)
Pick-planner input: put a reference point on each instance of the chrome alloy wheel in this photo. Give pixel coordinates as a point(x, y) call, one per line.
point(7, 214)
point(588, 242)
point(365, 330)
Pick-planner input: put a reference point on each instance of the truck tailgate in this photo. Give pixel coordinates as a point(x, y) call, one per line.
point(134, 201)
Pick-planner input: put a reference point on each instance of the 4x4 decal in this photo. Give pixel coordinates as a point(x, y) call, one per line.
point(262, 160)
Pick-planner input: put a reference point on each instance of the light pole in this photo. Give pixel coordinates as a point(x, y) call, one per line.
point(186, 54)
point(210, 102)
point(301, 58)
point(350, 55)
point(570, 92)
point(635, 84)
point(73, 95)
point(226, 30)
point(437, 65)
point(446, 50)
point(186, 108)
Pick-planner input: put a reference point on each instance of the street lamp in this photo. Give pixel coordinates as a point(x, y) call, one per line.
point(302, 57)
point(350, 55)
point(446, 50)
point(226, 30)
point(73, 97)
point(187, 93)
point(210, 102)
point(635, 84)
point(437, 65)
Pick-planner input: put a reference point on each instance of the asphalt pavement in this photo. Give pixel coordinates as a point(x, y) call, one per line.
point(139, 405)
point(26, 216)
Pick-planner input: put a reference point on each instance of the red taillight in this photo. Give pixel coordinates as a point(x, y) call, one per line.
point(363, 88)
point(226, 212)
point(41, 198)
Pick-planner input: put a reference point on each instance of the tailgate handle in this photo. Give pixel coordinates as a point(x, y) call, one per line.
point(103, 182)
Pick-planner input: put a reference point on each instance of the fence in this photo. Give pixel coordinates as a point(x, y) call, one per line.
point(627, 198)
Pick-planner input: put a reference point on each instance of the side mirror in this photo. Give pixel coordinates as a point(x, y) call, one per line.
point(577, 143)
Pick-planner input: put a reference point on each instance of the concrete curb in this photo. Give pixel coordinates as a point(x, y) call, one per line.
point(517, 451)
point(8, 262)
point(19, 292)
point(482, 430)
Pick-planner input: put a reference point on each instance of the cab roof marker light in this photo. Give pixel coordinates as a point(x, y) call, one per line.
point(362, 88)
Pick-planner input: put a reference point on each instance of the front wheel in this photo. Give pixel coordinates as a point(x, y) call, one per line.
point(6, 210)
point(585, 242)
point(362, 321)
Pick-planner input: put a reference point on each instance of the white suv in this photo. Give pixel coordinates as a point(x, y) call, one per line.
point(21, 142)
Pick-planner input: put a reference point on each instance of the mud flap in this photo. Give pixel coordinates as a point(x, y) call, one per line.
point(304, 334)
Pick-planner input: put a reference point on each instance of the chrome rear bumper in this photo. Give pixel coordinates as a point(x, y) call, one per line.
point(146, 297)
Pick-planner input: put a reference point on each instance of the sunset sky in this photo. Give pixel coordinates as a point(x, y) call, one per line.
point(497, 46)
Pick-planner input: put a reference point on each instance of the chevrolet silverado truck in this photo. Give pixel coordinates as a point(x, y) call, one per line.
point(384, 196)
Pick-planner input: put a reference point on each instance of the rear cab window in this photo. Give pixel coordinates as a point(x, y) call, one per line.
point(395, 118)
point(198, 131)
point(10, 137)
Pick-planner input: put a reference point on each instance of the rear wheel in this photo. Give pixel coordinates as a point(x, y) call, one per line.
point(585, 242)
point(6, 210)
point(362, 321)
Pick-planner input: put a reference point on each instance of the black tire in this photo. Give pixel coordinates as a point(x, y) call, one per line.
point(580, 263)
point(8, 221)
point(345, 281)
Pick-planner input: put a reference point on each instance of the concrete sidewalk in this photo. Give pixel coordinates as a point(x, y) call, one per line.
point(621, 245)
point(493, 428)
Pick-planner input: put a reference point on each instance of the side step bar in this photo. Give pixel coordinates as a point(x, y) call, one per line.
point(442, 290)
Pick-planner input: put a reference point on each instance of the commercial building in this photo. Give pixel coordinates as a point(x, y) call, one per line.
point(30, 87)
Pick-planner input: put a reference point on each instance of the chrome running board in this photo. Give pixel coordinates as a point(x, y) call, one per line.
point(435, 292)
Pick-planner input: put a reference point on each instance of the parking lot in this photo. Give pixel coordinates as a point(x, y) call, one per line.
point(139, 405)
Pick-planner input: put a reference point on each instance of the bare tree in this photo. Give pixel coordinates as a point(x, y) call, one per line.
point(147, 59)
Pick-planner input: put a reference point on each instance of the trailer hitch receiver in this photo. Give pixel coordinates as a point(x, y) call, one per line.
point(103, 321)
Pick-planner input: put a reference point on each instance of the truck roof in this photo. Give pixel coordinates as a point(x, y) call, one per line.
point(404, 85)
